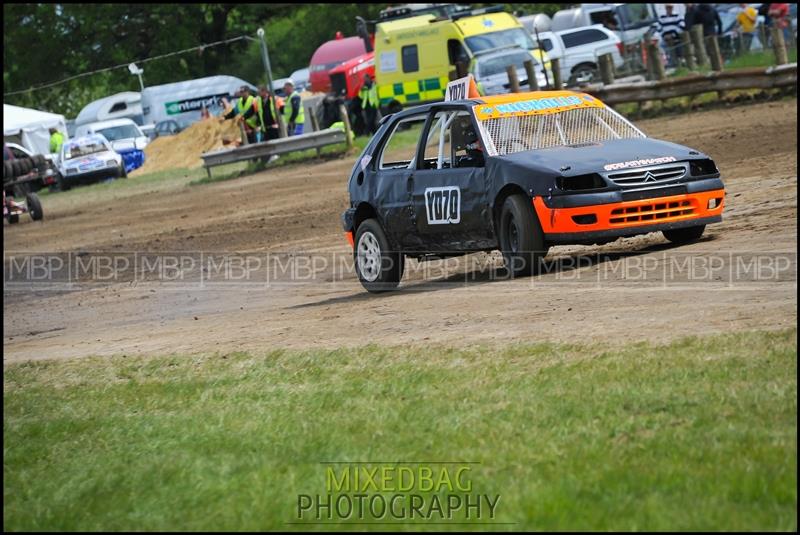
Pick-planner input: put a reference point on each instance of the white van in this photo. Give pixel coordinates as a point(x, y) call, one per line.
point(121, 133)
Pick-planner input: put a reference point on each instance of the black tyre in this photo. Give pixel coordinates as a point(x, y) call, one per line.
point(583, 73)
point(378, 269)
point(684, 235)
point(521, 237)
point(27, 165)
point(34, 207)
point(40, 162)
point(63, 183)
point(16, 168)
point(123, 173)
point(8, 171)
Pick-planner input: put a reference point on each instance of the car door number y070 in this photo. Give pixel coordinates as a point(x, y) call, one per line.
point(443, 205)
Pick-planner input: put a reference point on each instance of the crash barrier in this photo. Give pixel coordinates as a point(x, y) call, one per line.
point(274, 147)
point(694, 84)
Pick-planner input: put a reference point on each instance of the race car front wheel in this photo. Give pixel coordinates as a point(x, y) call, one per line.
point(378, 268)
point(521, 237)
point(684, 235)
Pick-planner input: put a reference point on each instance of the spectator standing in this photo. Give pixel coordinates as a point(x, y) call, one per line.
point(245, 111)
point(56, 140)
point(779, 14)
point(267, 114)
point(669, 28)
point(293, 113)
point(706, 15)
point(747, 20)
point(370, 105)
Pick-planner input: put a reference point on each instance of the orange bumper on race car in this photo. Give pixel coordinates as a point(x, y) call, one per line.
point(586, 224)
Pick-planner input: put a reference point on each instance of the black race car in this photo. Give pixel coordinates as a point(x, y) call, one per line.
point(519, 173)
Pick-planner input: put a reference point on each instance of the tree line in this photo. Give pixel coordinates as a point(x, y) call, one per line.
point(44, 43)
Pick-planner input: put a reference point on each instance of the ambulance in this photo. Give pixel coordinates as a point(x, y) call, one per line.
point(414, 56)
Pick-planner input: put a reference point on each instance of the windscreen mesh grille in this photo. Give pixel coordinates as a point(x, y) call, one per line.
point(577, 126)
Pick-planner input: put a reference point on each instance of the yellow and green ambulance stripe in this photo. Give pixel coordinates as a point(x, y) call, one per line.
point(414, 91)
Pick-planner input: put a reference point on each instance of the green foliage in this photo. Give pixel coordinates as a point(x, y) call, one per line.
point(50, 42)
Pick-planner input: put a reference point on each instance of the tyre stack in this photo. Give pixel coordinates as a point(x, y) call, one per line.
point(18, 167)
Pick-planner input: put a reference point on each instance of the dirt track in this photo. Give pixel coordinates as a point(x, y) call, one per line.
point(296, 210)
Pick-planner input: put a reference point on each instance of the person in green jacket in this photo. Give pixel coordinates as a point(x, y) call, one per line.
point(56, 140)
point(245, 110)
point(293, 113)
point(370, 105)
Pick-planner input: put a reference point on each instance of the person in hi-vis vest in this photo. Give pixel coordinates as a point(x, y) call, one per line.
point(370, 105)
point(245, 110)
point(293, 114)
point(268, 106)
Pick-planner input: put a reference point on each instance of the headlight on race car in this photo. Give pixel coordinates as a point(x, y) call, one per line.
point(703, 167)
point(111, 163)
point(72, 171)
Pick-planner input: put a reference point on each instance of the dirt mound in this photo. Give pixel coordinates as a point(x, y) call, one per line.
point(183, 150)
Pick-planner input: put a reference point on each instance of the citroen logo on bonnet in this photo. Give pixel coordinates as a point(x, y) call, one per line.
point(649, 177)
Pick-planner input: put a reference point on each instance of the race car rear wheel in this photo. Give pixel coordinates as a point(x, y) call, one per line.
point(123, 173)
point(684, 235)
point(378, 269)
point(521, 238)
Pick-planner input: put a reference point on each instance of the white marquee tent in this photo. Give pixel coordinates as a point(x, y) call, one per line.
point(31, 128)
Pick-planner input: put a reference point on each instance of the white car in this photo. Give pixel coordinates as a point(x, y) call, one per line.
point(578, 51)
point(89, 159)
point(121, 133)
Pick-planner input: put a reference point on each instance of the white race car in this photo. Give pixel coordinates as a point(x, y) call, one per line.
point(89, 159)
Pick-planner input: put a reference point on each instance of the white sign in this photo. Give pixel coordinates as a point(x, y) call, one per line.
point(457, 89)
point(389, 61)
point(443, 205)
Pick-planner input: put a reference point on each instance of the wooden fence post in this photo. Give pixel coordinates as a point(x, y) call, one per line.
point(533, 83)
point(699, 48)
point(687, 50)
point(607, 68)
point(654, 57)
point(314, 126)
point(555, 64)
point(713, 53)
point(513, 81)
point(347, 129)
point(779, 46)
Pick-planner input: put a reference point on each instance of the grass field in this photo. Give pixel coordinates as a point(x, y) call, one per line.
point(699, 434)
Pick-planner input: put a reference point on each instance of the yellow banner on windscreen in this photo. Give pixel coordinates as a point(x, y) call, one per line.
point(540, 105)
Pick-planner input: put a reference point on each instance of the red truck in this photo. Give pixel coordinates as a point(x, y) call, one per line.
point(330, 55)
